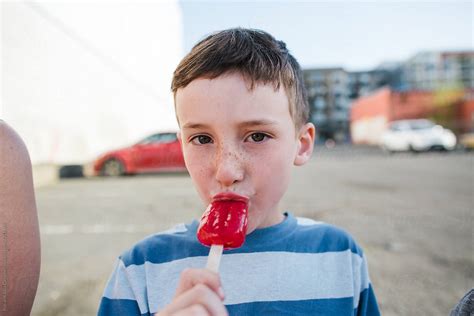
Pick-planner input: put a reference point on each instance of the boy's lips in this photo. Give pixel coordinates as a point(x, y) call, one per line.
point(229, 196)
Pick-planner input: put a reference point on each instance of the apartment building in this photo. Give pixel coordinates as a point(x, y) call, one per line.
point(432, 70)
point(329, 101)
point(330, 94)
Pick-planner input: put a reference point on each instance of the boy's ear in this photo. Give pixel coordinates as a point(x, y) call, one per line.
point(305, 141)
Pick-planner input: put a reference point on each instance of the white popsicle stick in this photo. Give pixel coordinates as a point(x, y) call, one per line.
point(214, 258)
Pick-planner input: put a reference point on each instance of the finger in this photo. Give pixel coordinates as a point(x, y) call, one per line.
point(194, 310)
point(191, 277)
point(199, 294)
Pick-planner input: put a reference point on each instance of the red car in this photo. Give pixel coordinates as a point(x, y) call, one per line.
point(158, 152)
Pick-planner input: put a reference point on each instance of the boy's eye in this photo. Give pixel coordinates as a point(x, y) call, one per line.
point(258, 137)
point(201, 140)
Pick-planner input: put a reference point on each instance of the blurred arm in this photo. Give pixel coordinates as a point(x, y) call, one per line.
point(19, 231)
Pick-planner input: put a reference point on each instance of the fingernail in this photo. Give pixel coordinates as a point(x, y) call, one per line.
point(220, 291)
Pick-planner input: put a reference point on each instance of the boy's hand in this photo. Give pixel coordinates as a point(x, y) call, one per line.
point(199, 292)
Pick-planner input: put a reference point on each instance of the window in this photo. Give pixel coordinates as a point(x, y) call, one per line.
point(150, 139)
point(159, 138)
point(168, 138)
point(365, 78)
point(319, 103)
point(397, 127)
point(421, 124)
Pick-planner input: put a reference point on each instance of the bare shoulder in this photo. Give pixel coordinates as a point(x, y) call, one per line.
point(12, 147)
point(20, 262)
point(15, 166)
point(16, 180)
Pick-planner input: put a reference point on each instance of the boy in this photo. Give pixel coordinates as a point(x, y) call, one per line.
point(242, 111)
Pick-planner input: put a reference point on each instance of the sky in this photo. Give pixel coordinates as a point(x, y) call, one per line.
point(351, 34)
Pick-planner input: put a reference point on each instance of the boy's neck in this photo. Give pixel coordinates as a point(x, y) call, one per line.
point(275, 220)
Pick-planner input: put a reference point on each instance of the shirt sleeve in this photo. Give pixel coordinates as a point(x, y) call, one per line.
point(118, 297)
point(367, 305)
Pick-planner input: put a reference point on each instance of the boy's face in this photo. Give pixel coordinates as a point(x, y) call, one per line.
point(243, 141)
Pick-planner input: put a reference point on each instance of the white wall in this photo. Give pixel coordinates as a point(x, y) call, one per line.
point(78, 79)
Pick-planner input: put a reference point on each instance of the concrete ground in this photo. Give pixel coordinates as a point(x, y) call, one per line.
point(412, 214)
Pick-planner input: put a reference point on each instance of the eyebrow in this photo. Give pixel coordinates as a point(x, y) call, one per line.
point(263, 122)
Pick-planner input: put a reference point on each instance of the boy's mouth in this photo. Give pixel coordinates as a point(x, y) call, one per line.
point(230, 196)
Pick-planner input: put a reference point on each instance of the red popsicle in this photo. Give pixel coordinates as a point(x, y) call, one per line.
point(224, 223)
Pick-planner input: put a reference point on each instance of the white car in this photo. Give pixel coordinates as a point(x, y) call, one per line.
point(417, 135)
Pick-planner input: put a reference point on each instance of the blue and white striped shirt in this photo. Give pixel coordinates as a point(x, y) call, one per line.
point(297, 267)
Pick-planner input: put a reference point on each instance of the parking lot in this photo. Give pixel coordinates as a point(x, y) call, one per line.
point(412, 213)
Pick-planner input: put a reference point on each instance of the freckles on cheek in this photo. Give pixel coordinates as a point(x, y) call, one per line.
point(196, 169)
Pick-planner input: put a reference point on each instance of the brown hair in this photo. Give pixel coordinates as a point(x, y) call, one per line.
point(257, 55)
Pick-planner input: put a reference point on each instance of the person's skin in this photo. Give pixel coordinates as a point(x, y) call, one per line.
point(19, 231)
point(239, 140)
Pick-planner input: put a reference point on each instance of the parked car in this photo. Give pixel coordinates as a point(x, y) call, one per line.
point(417, 135)
point(157, 152)
point(466, 141)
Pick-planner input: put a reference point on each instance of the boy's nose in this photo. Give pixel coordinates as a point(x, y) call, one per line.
point(229, 168)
